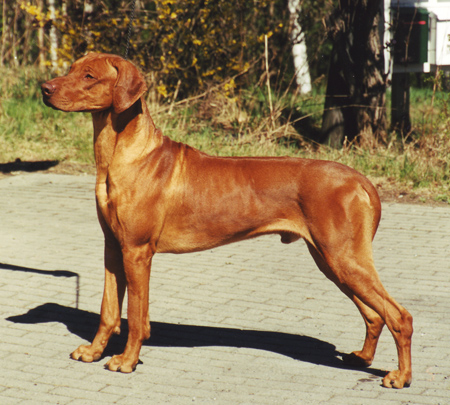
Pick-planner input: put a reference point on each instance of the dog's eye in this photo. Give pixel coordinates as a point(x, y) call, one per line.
point(89, 76)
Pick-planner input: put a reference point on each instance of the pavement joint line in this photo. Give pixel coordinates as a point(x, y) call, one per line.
point(249, 323)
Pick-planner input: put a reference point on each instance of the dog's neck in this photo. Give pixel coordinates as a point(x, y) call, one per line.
point(130, 134)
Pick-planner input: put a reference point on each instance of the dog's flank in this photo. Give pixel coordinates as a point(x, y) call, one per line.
point(157, 195)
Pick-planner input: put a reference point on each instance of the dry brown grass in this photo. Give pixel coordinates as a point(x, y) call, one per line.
point(413, 169)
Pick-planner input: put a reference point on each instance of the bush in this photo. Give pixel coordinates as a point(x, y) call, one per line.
point(187, 46)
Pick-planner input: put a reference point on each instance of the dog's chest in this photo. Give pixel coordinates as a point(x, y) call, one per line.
point(115, 201)
point(101, 195)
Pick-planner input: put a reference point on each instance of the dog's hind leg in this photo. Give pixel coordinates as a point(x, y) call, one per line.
point(374, 326)
point(374, 323)
point(350, 267)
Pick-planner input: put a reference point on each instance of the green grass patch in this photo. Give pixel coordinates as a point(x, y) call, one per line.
point(239, 126)
point(31, 131)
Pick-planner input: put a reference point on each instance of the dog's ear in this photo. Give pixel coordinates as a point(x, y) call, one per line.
point(129, 87)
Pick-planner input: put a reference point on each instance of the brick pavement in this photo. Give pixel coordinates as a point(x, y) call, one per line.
point(249, 323)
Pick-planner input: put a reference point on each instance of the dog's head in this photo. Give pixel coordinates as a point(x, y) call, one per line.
point(96, 82)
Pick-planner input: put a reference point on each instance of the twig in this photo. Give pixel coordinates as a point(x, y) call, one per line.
point(435, 86)
point(266, 52)
point(218, 86)
point(175, 94)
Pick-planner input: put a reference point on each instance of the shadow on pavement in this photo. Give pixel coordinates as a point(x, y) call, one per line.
point(20, 166)
point(304, 348)
point(53, 273)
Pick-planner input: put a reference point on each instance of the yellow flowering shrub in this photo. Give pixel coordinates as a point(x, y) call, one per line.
point(186, 45)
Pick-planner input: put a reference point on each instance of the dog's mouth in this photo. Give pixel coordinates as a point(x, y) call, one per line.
point(48, 90)
point(47, 101)
point(50, 99)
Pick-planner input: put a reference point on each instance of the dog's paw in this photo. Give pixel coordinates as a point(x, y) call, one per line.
point(397, 379)
point(120, 364)
point(356, 359)
point(86, 354)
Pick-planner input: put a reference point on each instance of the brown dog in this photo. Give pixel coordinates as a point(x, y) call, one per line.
point(156, 195)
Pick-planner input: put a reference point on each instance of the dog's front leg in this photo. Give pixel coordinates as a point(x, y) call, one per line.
point(137, 264)
point(115, 286)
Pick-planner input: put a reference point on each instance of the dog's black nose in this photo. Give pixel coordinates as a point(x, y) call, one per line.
point(48, 89)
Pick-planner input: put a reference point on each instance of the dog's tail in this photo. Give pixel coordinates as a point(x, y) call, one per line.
point(375, 203)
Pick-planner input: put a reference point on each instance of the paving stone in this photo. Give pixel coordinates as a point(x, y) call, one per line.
point(248, 323)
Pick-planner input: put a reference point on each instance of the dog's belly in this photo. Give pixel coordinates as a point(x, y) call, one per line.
point(196, 239)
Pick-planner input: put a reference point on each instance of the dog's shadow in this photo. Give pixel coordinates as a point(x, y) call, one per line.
point(19, 165)
point(84, 324)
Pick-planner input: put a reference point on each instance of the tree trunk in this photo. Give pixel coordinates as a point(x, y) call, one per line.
point(41, 40)
point(15, 37)
point(302, 76)
point(64, 45)
point(4, 33)
point(355, 99)
point(400, 116)
point(27, 35)
point(86, 35)
point(53, 37)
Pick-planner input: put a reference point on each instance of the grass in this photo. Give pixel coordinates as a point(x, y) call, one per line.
point(30, 131)
point(416, 167)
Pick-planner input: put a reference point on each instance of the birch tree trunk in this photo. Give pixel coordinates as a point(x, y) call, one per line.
point(302, 76)
point(53, 37)
point(65, 65)
point(41, 43)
